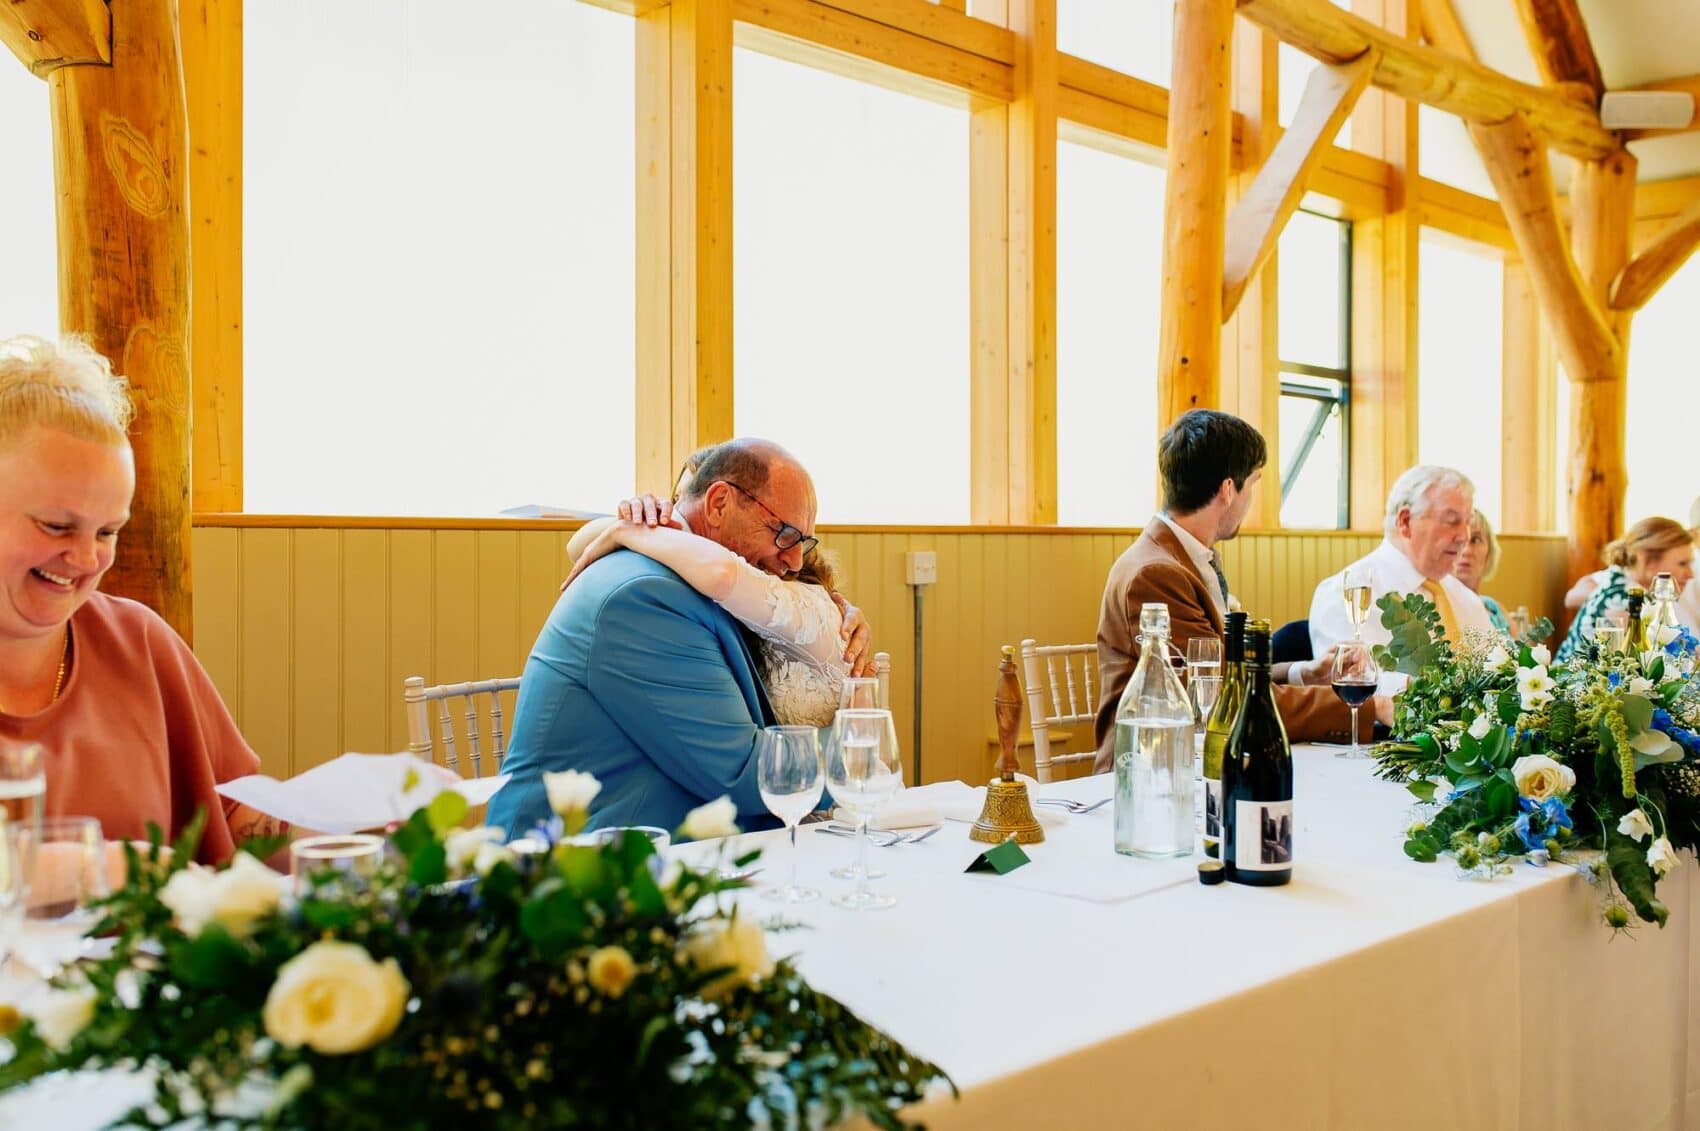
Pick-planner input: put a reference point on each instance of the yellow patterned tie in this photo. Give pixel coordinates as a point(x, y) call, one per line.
point(1433, 591)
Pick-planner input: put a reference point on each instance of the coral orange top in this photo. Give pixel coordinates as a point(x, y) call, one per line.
point(139, 732)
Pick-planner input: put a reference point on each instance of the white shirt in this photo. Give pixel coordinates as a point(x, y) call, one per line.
point(1387, 570)
point(1204, 559)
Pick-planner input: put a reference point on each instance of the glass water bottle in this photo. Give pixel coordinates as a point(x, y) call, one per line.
point(1153, 750)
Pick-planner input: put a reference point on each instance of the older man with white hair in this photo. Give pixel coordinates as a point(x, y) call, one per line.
point(1427, 524)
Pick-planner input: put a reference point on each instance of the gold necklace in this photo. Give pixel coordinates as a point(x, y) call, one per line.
point(59, 677)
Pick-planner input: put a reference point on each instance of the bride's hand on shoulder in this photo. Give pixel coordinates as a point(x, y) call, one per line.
point(856, 633)
point(647, 510)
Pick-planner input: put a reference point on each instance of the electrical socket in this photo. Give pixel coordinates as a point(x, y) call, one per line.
point(921, 567)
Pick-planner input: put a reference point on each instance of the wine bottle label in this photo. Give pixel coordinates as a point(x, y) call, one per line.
point(1213, 808)
point(1263, 840)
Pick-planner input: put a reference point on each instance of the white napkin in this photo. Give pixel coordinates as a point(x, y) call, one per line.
point(945, 801)
point(356, 792)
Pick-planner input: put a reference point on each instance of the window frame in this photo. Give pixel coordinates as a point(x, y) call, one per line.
point(1326, 401)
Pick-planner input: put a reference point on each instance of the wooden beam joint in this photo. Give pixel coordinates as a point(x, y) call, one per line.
point(48, 34)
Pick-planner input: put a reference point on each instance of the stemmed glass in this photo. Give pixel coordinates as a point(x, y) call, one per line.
point(17, 849)
point(1356, 593)
point(1354, 676)
point(864, 771)
point(860, 692)
point(1204, 673)
point(789, 775)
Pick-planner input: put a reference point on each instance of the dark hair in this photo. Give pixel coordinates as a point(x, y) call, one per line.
point(1200, 450)
point(742, 462)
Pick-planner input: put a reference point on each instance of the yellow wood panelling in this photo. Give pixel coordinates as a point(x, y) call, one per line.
point(309, 632)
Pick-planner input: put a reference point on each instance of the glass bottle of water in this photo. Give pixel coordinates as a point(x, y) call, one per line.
point(1661, 610)
point(1153, 750)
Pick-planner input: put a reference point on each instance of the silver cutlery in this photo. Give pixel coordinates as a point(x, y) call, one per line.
point(1075, 807)
point(925, 835)
point(880, 838)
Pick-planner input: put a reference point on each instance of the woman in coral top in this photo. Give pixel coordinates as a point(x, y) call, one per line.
point(132, 728)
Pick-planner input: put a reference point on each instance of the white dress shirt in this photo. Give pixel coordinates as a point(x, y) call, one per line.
point(1202, 557)
point(1386, 569)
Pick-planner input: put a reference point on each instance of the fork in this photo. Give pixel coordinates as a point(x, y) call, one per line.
point(879, 838)
point(1075, 807)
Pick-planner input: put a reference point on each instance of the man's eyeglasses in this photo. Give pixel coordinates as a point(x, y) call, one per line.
point(786, 535)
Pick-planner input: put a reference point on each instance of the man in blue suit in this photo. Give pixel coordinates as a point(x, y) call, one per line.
point(639, 679)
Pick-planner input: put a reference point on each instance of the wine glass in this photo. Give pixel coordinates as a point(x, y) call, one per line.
point(23, 785)
point(860, 692)
point(17, 849)
point(1356, 593)
point(69, 870)
point(864, 771)
point(1611, 629)
point(353, 859)
point(1204, 673)
point(789, 775)
point(1354, 677)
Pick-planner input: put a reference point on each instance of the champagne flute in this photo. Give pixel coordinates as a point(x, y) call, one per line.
point(1356, 592)
point(1204, 673)
point(790, 776)
point(23, 785)
point(864, 772)
point(1354, 677)
point(860, 692)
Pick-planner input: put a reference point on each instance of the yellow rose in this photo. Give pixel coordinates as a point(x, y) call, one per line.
point(738, 943)
point(334, 999)
point(1539, 777)
point(611, 970)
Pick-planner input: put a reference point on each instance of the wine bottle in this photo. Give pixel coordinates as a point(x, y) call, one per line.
point(1257, 779)
point(1218, 727)
point(1636, 642)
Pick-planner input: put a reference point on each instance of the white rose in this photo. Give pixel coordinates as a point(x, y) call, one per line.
point(1497, 658)
point(1542, 655)
point(188, 893)
point(244, 893)
point(571, 791)
point(1640, 686)
point(1662, 857)
point(59, 1015)
point(738, 943)
point(1635, 825)
point(716, 819)
point(1479, 729)
point(461, 846)
point(334, 999)
point(1667, 633)
point(1539, 777)
point(489, 855)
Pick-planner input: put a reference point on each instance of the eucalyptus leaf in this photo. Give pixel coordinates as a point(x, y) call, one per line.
point(1637, 712)
point(1653, 747)
point(1421, 790)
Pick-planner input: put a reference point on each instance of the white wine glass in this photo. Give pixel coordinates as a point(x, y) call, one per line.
point(1204, 673)
point(864, 771)
point(1356, 593)
point(790, 776)
point(860, 693)
point(1354, 677)
point(17, 850)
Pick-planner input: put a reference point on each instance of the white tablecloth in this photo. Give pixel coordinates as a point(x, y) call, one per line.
point(1372, 992)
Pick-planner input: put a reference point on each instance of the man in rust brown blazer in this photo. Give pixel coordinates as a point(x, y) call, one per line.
point(1210, 463)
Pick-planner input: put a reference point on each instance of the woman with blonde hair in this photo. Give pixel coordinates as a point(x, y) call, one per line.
point(1477, 562)
point(133, 731)
point(1649, 548)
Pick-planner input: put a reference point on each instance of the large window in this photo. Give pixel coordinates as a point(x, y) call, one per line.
point(1314, 267)
point(851, 333)
point(1664, 401)
point(1445, 153)
point(29, 266)
point(438, 262)
point(1135, 37)
point(1460, 388)
point(1109, 275)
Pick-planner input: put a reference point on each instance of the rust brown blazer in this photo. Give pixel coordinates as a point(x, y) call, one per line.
point(1156, 568)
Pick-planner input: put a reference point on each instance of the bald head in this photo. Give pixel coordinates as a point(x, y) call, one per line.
point(744, 494)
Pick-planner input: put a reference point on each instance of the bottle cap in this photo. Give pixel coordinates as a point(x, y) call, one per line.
point(1210, 872)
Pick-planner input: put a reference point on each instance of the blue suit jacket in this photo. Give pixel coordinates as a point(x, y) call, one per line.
point(644, 682)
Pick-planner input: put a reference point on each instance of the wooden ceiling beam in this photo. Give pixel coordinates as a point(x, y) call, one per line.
point(1661, 259)
point(48, 34)
point(1566, 118)
point(1558, 39)
point(1255, 226)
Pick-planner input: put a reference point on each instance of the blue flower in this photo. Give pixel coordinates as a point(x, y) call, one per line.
point(1683, 643)
point(1613, 679)
point(1557, 816)
point(1540, 821)
point(1531, 839)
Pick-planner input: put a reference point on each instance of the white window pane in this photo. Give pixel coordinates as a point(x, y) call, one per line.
point(438, 262)
point(1295, 72)
point(1135, 37)
point(1312, 498)
point(1109, 276)
point(1445, 153)
point(1460, 387)
point(1312, 284)
point(29, 266)
point(851, 288)
point(1560, 480)
point(1663, 399)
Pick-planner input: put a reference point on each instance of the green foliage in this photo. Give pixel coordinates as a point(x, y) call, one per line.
point(1418, 636)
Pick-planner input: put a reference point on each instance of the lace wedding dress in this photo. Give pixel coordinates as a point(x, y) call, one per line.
point(802, 656)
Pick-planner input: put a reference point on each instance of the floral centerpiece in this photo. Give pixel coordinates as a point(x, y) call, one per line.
point(469, 983)
point(1522, 757)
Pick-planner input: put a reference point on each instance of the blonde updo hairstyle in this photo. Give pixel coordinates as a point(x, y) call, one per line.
point(1490, 555)
point(67, 386)
point(1648, 537)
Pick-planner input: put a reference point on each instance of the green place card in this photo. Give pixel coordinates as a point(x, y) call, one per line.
point(1002, 859)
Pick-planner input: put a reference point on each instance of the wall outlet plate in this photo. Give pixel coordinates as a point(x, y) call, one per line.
point(921, 567)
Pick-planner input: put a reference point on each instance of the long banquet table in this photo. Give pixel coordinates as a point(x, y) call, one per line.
point(1372, 992)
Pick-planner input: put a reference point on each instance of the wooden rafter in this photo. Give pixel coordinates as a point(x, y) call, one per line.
point(1447, 81)
point(1558, 39)
point(48, 34)
point(1255, 226)
point(1661, 259)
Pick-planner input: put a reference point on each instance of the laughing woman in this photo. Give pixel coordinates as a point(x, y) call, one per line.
point(132, 729)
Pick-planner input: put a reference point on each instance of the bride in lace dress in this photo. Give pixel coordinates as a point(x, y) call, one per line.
point(811, 639)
